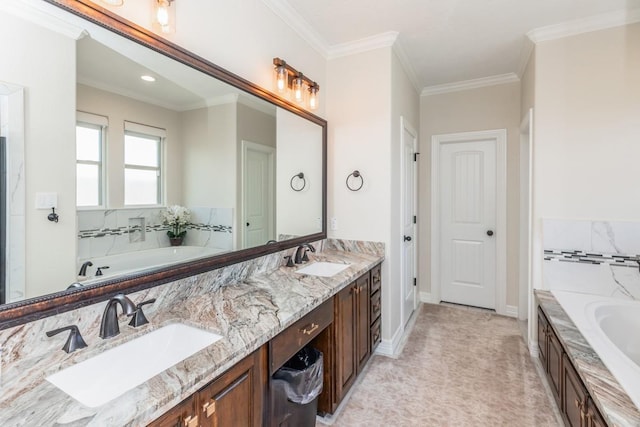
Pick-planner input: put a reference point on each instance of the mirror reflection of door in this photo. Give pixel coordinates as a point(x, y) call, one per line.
point(258, 194)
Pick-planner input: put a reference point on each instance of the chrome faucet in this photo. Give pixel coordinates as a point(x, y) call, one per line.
point(109, 326)
point(301, 253)
point(83, 269)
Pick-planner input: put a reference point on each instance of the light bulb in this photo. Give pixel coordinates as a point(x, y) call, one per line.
point(313, 97)
point(281, 79)
point(298, 88)
point(162, 14)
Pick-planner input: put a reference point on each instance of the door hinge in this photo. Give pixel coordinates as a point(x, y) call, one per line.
point(415, 156)
point(415, 281)
point(415, 219)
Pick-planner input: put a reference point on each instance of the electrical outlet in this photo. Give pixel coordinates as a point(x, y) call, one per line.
point(334, 223)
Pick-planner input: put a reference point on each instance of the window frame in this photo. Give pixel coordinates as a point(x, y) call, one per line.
point(148, 132)
point(94, 121)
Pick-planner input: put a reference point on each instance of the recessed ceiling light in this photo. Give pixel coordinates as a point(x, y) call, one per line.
point(147, 78)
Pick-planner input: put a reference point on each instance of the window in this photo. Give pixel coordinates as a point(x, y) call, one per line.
point(90, 136)
point(142, 164)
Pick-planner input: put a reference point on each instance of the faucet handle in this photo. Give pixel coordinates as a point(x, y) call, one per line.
point(74, 341)
point(138, 318)
point(305, 256)
point(289, 261)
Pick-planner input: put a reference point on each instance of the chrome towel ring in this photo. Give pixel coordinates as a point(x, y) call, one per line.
point(355, 174)
point(300, 177)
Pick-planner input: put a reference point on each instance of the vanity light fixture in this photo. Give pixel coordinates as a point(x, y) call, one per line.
point(164, 15)
point(301, 89)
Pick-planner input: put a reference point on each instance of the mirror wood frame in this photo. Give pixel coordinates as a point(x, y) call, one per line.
point(17, 313)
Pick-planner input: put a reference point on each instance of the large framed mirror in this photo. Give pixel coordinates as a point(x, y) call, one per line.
point(134, 140)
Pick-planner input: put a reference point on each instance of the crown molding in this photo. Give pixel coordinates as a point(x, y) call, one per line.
point(470, 84)
point(297, 23)
point(585, 25)
point(41, 14)
point(401, 53)
point(525, 55)
point(363, 45)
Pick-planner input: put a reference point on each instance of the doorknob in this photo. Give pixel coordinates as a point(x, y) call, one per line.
point(407, 238)
point(248, 224)
point(489, 233)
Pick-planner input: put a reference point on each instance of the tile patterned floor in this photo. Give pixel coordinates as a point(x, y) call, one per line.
point(459, 367)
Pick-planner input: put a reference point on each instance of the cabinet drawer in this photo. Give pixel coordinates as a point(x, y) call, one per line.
point(375, 334)
point(375, 307)
point(376, 278)
point(296, 336)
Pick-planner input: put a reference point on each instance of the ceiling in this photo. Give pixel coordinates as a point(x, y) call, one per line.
point(447, 41)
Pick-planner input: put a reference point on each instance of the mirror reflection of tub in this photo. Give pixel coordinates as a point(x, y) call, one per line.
point(126, 263)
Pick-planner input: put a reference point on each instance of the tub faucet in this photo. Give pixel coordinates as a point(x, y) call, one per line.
point(301, 253)
point(83, 269)
point(109, 326)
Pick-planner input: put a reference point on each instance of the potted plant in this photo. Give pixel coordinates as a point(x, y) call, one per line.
point(177, 218)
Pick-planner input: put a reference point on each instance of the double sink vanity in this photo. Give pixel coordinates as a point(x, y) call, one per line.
point(210, 348)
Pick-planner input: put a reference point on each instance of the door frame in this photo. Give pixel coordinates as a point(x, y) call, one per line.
point(500, 136)
point(405, 125)
point(271, 151)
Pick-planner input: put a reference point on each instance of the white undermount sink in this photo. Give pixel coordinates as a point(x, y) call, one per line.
point(323, 269)
point(110, 374)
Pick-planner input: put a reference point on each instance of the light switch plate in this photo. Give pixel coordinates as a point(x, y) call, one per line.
point(46, 200)
point(334, 223)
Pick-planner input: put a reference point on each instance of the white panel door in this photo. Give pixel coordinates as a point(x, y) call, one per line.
point(258, 194)
point(468, 220)
point(408, 254)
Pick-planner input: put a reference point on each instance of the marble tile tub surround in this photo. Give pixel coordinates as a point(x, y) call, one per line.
point(247, 303)
point(596, 257)
point(108, 232)
point(610, 398)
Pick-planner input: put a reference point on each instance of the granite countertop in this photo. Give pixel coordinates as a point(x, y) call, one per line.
point(247, 313)
point(609, 396)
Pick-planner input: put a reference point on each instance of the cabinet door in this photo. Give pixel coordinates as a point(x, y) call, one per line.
point(574, 399)
point(362, 322)
point(179, 416)
point(235, 398)
point(346, 363)
point(542, 338)
point(554, 364)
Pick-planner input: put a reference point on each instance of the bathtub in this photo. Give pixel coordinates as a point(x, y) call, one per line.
point(139, 261)
point(612, 328)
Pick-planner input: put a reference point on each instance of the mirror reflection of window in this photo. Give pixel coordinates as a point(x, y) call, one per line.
point(90, 146)
point(142, 165)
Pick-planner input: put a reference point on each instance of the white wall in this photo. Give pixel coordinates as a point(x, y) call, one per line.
point(364, 111)
point(49, 159)
point(586, 130)
point(493, 107)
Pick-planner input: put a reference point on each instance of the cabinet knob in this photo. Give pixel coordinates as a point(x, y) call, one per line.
point(209, 408)
point(191, 421)
point(308, 330)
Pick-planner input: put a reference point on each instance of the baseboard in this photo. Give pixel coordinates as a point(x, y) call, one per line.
point(511, 311)
point(534, 349)
point(389, 348)
point(427, 297)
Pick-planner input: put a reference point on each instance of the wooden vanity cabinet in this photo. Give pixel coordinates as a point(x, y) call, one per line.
point(234, 398)
point(576, 406)
point(351, 322)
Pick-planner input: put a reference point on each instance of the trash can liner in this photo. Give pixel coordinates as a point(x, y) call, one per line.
point(302, 383)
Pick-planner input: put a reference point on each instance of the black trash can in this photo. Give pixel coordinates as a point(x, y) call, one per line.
point(295, 389)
